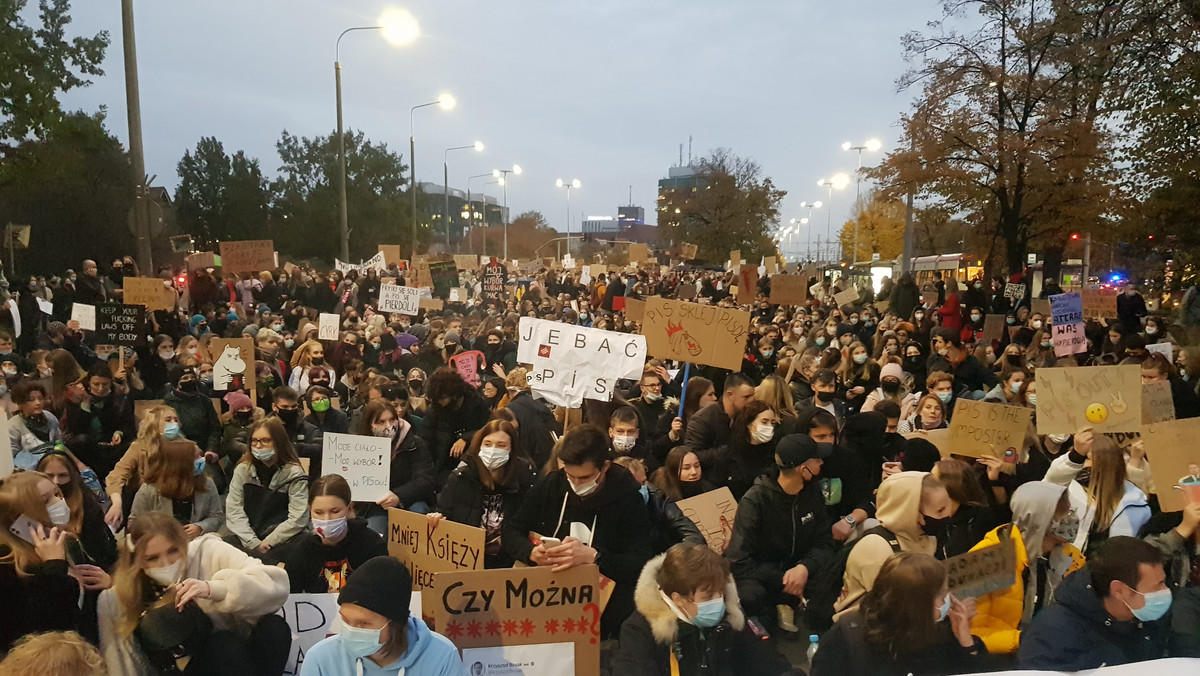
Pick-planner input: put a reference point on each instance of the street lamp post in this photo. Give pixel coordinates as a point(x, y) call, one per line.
point(838, 181)
point(810, 206)
point(799, 223)
point(574, 183)
point(446, 102)
point(872, 145)
point(483, 206)
point(399, 28)
point(477, 147)
point(502, 174)
point(472, 208)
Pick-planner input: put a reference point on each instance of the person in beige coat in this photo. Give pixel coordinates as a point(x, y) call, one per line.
point(160, 423)
point(906, 503)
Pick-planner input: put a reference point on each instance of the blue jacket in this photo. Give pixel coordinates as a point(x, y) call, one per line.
point(429, 654)
point(1076, 633)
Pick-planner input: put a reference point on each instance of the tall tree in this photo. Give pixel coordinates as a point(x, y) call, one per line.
point(881, 223)
point(37, 63)
point(526, 234)
point(305, 193)
point(733, 207)
point(221, 197)
point(75, 189)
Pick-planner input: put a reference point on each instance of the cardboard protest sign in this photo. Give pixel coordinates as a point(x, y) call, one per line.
point(1158, 405)
point(700, 334)
point(328, 328)
point(443, 277)
point(118, 324)
point(847, 297)
point(635, 309)
point(365, 462)
point(391, 253)
point(788, 290)
point(713, 513)
point(311, 616)
point(573, 363)
point(521, 606)
point(939, 438)
point(688, 251)
point(980, 429)
point(403, 299)
point(467, 365)
point(494, 276)
point(435, 304)
point(1174, 460)
point(251, 255)
point(466, 261)
point(685, 291)
point(735, 257)
point(1014, 291)
point(1040, 306)
point(747, 284)
point(1066, 308)
point(84, 314)
point(983, 571)
point(638, 252)
point(1103, 398)
point(770, 265)
point(233, 364)
point(422, 276)
point(993, 327)
point(149, 292)
point(1099, 303)
point(427, 550)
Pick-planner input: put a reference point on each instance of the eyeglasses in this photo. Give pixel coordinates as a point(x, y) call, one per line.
point(261, 443)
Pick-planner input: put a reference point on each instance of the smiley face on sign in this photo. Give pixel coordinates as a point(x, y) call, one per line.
point(1096, 413)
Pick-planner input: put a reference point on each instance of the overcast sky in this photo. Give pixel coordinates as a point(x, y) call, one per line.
point(603, 91)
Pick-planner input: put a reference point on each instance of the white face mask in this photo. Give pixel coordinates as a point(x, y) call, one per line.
point(763, 433)
point(623, 443)
point(166, 575)
point(60, 513)
point(493, 458)
point(584, 490)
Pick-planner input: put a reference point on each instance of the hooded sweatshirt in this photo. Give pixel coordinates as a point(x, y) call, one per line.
point(1001, 615)
point(898, 506)
point(428, 654)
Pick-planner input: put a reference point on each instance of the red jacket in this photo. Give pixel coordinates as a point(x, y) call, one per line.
point(950, 312)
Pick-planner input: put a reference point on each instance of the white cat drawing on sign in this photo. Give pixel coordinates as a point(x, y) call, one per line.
point(229, 370)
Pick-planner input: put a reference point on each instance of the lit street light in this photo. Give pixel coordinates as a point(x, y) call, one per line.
point(471, 208)
point(872, 145)
point(477, 147)
point(502, 174)
point(399, 27)
point(837, 182)
point(573, 184)
point(445, 102)
point(810, 206)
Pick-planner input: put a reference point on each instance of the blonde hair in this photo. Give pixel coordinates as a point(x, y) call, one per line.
point(19, 496)
point(774, 392)
point(516, 378)
point(129, 581)
point(55, 653)
point(300, 356)
point(150, 431)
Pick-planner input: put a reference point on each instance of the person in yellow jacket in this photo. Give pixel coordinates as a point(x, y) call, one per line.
point(1045, 526)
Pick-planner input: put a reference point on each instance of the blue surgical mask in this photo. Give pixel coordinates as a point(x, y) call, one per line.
point(1031, 398)
point(263, 454)
point(945, 609)
point(767, 353)
point(860, 358)
point(171, 430)
point(820, 341)
point(359, 643)
point(709, 613)
point(1157, 605)
point(1015, 387)
point(945, 396)
point(198, 466)
point(645, 491)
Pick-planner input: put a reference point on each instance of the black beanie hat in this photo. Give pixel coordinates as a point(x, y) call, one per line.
point(381, 585)
point(919, 455)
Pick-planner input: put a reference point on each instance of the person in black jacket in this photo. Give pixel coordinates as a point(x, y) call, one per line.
point(749, 453)
point(454, 413)
point(1105, 614)
point(99, 427)
point(307, 438)
point(687, 609)
point(535, 420)
point(488, 487)
point(950, 356)
point(596, 509)
point(668, 524)
point(711, 426)
point(852, 473)
point(320, 562)
point(323, 416)
point(781, 538)
point(908, 623)
point(411, 482)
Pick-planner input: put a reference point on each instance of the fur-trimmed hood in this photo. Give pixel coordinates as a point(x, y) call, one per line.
point(664, 624)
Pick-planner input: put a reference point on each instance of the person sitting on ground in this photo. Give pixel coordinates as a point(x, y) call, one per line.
point(176, 485)
point(625, 430)
point(669, 525)
point(267, 504)
point(340, 542)
point(689, 621)
point(711, 426)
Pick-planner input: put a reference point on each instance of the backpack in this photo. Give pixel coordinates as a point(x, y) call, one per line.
point(827, 590)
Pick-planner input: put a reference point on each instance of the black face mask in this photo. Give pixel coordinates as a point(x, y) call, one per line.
point(890, 387)
point(933, 526)
point(914, 360)
point(289, 417)
point(416, 385)
point(825, 397)
point(189, 386)
point(243, 417)
point(1013, 359)
point(318, 361)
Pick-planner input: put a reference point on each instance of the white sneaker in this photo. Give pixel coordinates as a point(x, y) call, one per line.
point(787, 619)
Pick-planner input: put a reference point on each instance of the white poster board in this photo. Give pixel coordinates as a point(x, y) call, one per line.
point(45, 306)
point(311, 617)
point(573, 363)
point(403, 299)
point(328, 328)
point(84, 314)
point(364, 462)
point(521, 660)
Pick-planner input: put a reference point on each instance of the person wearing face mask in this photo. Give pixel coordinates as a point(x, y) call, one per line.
point(339, 543)
point(177, 485)
point(217, 602)
point(99, 426)
point(411, 469)
point(534, 418)
point(375, 634)
point(307, 438)
point(455, 412)
point(908, 623)
point(38, 591)
point(267, 504)
point(969, 517)
point(825, 396)
point(306, 356)
point(1042, 529)
point(761, 362)
point(624, 429)
point(1107, 614)
point(595, 508)
point(749, 452)
point(950, 356)
point(235, 435)
point(322, 414)
point(891, 388)
point(650, 405)
point(198, 419)
point(488, 487)
point(689, 621)
point(33, 431)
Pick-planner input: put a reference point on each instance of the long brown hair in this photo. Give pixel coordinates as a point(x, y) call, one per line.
point(171, 470)
point(75, 496)
point(697, 387)
point(285, 453)
point(898, 611)
point(666, 478)
point(19, 496)
point(1107, 485)
point(509, 471)
point(129, 582)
